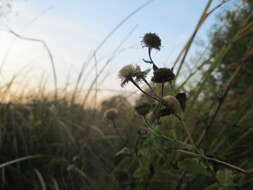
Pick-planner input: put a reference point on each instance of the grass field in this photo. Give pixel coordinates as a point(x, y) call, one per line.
point(178, 135)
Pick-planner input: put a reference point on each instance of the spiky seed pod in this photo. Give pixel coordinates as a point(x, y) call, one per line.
point(111, 114)
point(163, 75)
point(151, 40)
point(127, 73)
point(172, 104)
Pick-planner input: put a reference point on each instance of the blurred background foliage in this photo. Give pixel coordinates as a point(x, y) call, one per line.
point(74, 147)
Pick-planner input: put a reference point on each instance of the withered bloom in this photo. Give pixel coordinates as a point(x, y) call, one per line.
point(152, 40)
point(132, 72)
point(128, 73)
point(141, 75)
point(163, 75)
point(143, 132)
point(182, 100)
point(172, 104)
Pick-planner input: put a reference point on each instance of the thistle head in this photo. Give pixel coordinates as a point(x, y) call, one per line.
point(151, 40)
point(163, 75)
point(111, 114)
point(172, 104)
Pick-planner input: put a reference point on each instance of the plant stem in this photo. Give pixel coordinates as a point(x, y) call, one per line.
point(214, 160)
point(157, 98)
point(162, 89)
point(187, 131)
point(151, 60)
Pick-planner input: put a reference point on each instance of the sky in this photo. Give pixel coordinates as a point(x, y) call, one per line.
point(74, 29)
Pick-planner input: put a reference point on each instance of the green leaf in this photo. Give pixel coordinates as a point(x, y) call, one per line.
point(225, 177)
point(173, 134)
point(20, 160)
point(41, 179)
point(214, 186)
point(141, 172)
point(193, 166)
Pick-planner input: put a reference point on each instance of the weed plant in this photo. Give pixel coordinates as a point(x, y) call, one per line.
point(170, 139)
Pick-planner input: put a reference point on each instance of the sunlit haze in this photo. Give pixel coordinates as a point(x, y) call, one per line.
point(74, 29)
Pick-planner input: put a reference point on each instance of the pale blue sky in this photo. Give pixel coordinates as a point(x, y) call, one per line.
point(73, 29)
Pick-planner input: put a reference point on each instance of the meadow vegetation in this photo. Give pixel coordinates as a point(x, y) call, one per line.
point(179, 134)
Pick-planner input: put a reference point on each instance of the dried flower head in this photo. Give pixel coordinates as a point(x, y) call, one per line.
point(128, 72)
point(111, 114)
point(182, 98)
point(131, 72)
point(152, 40)
point(172, 104)
point(151, 116)
point(163, 75)
point(143, 132)
point(141, 74)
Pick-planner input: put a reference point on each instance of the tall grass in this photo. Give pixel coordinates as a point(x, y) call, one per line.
point(56, 143)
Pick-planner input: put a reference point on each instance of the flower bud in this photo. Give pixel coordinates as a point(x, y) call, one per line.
point(152, 40)
point(163, 75)
point(172, 104)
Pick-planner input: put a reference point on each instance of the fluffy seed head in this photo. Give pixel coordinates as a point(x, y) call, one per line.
point(152, 40)
point(163, 75)
point(172, 104)
point(127, 72)
point(111, 114)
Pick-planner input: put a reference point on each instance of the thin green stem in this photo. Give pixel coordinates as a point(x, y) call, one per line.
point(187, 131)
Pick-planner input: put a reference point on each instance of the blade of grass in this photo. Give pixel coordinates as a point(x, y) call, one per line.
point(106, 64)
point(41, 179)
point(50, 55)
point(56, 185)
point(85, 64)
point(20, 160)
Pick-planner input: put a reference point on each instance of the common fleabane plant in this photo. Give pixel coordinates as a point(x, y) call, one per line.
point(157, 154)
